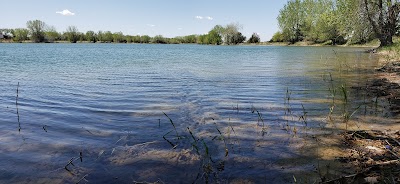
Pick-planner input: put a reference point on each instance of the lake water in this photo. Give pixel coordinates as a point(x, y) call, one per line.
point(237, 110)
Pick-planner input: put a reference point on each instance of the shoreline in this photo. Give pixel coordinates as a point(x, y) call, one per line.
point(266, 43)
point(370, 152)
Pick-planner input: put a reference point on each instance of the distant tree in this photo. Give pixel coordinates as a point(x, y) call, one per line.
point(72, 34)
point(238, 38)
point(91, 36)
point(190, 39)
point(7, 33)
point(119, 37)
point(145, 39)
point(214, 38)
point(20, 34)
point(255, 38)
point(277, 37)
point(51, 34)
point(231, 34)
point(36, 29)
point(82, 37)
point(136, 39)
point(100, 36)
point(202, 39)
point(108, 37)
point(129, 38)
point(159, 39)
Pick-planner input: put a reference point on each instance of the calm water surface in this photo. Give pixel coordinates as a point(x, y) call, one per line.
point(108, 102)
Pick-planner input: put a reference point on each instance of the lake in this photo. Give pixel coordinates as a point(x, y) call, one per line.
point(123, 113)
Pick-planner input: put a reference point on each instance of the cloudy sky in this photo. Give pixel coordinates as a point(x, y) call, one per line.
point(169, 18)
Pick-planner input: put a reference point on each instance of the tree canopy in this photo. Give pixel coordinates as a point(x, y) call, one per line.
point(36, 30)
point(39, 31)
point(338, 21)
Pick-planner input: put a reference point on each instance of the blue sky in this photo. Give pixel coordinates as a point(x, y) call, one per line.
point(169, 18)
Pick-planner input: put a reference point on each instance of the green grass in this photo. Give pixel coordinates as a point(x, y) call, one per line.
point(393, 51)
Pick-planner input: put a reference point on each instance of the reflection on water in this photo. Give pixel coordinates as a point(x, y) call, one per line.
point(238, 113)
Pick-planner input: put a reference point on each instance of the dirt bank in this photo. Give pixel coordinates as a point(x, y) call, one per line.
point(375, 154)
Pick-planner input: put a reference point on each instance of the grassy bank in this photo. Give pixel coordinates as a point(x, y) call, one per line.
point(391, 53)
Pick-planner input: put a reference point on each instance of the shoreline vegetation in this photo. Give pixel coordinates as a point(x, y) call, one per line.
point(38, 31)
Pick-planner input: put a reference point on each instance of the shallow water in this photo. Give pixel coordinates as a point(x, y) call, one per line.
point(107, 101)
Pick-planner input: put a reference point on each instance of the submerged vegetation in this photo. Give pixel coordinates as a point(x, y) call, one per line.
point(38, 31)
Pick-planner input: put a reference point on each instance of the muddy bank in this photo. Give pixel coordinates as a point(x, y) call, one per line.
point(386, 85)
point(373, 156)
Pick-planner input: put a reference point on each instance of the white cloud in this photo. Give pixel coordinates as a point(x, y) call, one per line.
point(201, 18)
point(151, 25)
point(180, 28)
point(66, 13)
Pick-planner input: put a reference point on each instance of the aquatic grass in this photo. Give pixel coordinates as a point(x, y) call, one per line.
point(176, 132)
point(303, 117)
point(195, 143)
point(259, 119)
point(223, 139)
point(208, 168)
point(172, 123)
point(344, 92)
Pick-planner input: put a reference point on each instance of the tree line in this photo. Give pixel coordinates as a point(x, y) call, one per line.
point(38, 31)
point(339, 21)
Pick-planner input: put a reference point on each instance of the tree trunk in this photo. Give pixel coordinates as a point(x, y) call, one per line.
point(384, 26)
point(386, 39)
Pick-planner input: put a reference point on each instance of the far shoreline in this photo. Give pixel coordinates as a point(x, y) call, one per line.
point(267, 43)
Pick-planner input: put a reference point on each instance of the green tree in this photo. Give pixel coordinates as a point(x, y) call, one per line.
point(328, 27)
point(82, 37)
point(119, 37)
point(108, 37)
point(277, 37)
point(20, 34)
point(383, 17)
point(214, 38)
point(51, 34)
point(159, 39)
point(145, 39)
point(91, 36)
point(190, 39)
point(136, 39)
point(255, 38)
point(72, 34)
point(354, 23)
point(291, 19)
point(36, 29)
